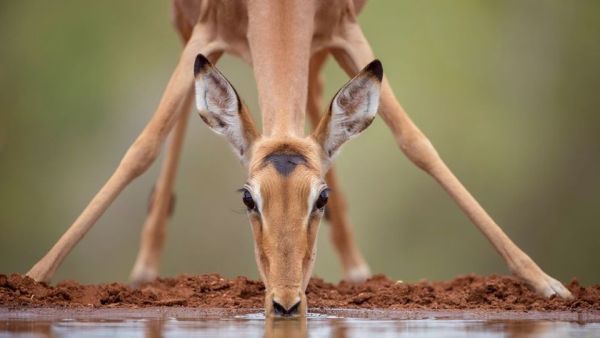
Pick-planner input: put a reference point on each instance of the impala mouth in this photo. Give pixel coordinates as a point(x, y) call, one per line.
point(280, 311)
point(286, 303)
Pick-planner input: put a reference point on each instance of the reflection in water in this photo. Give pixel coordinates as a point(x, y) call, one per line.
point(521, 329)
point(316, 326)
point(26, 328)
point(154, 329)
point(338, 330)
point(285, 328)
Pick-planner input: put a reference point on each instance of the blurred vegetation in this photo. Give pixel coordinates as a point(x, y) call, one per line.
point(508, 91)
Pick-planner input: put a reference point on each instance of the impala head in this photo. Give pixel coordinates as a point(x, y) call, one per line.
point(285, 192)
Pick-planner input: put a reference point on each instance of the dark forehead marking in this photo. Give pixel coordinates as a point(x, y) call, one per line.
point(285, 162)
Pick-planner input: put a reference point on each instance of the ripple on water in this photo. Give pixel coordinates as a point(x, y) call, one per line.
point(261, 316)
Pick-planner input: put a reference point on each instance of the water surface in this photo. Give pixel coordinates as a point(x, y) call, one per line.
point(339, 324)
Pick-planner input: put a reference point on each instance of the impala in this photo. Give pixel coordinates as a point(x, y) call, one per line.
point(290, 176)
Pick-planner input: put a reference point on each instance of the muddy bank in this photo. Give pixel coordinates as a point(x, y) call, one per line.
point(214, 291)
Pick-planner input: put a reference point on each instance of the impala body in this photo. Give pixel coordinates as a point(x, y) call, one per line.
point(290, 176)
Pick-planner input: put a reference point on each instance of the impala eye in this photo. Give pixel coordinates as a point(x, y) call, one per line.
point(248, 200)
point(322, 200)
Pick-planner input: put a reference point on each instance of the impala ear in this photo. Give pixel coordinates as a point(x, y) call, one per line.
point(352, 110)
point(221, 108)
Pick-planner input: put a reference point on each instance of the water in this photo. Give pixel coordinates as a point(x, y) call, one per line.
point(341, 324)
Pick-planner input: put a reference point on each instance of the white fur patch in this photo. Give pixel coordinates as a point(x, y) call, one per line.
point(254, 188)
point(357, 274)
point(315, 190)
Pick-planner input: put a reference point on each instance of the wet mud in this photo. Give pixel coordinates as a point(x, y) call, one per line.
point(470, 292)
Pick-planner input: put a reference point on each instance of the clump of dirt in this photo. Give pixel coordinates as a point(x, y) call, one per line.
point(210, 291)
point(463, 292)
point(213, 291)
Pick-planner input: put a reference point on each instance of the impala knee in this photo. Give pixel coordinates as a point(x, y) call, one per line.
point(140, 156)
point(419, 150)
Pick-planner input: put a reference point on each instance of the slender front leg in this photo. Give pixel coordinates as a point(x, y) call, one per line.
point(354, 265)
point(161, 204)
point(352, 53)
point(137, 159)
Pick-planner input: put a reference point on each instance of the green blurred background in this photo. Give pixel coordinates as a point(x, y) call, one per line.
point(508, 91)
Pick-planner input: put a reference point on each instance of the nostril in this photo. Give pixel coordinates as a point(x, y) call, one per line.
point(294, 309)
point(280, 310)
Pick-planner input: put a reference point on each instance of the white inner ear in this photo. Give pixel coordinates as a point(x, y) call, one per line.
point(352, 110)
point(218, 105)
point(214, 95)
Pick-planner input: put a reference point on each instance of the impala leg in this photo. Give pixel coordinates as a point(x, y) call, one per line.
point(161, 204)
point(136, 160)
point(354, 265)
point(352, 54)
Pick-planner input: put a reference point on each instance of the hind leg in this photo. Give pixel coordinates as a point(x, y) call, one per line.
point(354, 265)
point(161, 204)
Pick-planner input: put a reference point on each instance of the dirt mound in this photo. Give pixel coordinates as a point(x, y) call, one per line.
point(212, 290)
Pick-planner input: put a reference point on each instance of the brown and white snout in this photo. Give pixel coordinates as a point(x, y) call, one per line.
point(285, 302)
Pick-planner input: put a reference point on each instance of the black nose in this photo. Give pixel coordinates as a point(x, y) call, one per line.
point(282, 311)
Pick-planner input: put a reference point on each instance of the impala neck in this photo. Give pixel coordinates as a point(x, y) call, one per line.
point(280, 35)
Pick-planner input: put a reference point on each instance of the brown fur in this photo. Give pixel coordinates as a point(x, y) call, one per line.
point(286, 43)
